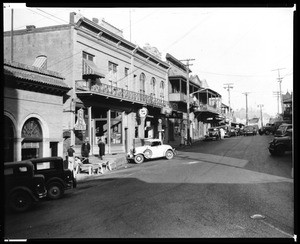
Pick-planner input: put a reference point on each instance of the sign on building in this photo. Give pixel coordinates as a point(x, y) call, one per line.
point(80, 123)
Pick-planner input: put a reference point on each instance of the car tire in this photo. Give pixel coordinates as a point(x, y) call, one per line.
point(148, 153)
point(138, 159)
point(20, 201)
point(169, 154)
point(55, 191)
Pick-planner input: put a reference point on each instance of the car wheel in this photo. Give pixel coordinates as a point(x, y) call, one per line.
point(55, 191)
point(272, 153)
point(147, 153)
point(138, 159)
point(20, 201)
point(169, 154)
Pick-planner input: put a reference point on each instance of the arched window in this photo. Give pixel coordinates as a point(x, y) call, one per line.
point(32, 139)
point(142, 83)
point(162, 88)
point(152, 83)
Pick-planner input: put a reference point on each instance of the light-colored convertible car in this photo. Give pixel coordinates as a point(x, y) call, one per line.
point(153, 148)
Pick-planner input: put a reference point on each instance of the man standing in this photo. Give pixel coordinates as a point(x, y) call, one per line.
point(85, 150)
point(71, 152)
point(101, 146)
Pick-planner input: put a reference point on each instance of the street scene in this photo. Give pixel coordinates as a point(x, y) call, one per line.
point(129, 122)
point(210, 189)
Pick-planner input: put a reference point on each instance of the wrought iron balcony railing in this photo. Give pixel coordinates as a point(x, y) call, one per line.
point(120, 93)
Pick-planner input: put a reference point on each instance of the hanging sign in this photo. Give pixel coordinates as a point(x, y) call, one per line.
point(143, 112)
point(80, 123)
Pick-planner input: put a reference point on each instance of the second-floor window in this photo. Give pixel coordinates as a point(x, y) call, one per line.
point(126, 71)
point(88, 56)
point(152, 84)
point(112, 72)
point(162, 88)
point(142, 83)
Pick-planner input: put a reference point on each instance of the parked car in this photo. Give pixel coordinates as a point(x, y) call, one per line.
point(268, 129)
point(249, 130)
point(279, 145)
point(213, 133)
point(233, 131)
point(23, 188)
point(57, 177)
point(152, 149)
point(282, 130)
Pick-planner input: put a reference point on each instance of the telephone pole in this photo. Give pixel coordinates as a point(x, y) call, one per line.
point(246, 94)
point(261, 117)
point(277, 94)
point(188, 97)
point(280, 80)
point(228, 87)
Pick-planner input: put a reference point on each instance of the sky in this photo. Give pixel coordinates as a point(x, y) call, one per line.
point(241, 46)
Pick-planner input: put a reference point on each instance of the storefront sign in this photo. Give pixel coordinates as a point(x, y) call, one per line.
point(143, 112)
point(80, 123)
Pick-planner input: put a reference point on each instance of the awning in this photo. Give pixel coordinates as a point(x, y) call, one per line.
point(90, 69)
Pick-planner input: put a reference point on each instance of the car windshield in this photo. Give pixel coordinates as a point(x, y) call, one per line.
point(249, 127)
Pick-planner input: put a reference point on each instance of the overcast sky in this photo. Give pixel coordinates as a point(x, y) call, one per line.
point(242, 46)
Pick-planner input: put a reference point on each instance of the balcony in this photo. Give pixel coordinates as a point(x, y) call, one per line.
point(84, 87)
point(201, 107)
point(177, 97)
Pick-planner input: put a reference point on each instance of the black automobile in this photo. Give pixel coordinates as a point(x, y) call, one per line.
point(279, 145)
point(268, 129)
point(22, 187)
point(57, 177)
point(249, 130)
point(213, 134)
point(282, 130)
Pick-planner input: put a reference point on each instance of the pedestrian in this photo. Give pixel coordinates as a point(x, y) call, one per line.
point(101, 146)
point(71, 152)
point(85, 150)
point(222, 132)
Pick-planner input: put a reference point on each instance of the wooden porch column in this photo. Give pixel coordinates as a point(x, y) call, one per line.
point(108, 131)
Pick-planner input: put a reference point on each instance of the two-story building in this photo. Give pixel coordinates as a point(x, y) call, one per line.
point(119, 91)
point(205, 104)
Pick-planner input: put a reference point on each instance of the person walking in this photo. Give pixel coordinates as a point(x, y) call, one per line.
point(222, 133)
point(85, 150)
point(101, 146)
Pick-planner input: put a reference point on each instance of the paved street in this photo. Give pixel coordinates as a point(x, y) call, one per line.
point(209, 190)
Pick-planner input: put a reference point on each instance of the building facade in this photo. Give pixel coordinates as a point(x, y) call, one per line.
point(119, 91)
point(33, 109)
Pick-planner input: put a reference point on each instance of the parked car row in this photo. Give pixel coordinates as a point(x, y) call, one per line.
point(214, 133)
point(28, 181)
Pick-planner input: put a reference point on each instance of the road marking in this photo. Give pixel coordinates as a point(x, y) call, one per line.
point(272, 226)
point(194, 162)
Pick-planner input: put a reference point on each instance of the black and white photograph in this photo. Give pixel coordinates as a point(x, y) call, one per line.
point(148, 122)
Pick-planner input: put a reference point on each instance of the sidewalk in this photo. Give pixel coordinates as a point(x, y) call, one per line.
point(115, 161)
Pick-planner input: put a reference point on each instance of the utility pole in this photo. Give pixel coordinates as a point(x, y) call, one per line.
point(246, 94)
point(188, 98)
point(277, 94)
point(228, 87)
point(261, 117)
point(280, 80)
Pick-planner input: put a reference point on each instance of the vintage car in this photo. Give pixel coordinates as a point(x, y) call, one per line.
point(57, 177)
point(279, 145)
point(282, 130)
point(249, 130)
point(152, 148)
point(213, 133)
point(22, 187)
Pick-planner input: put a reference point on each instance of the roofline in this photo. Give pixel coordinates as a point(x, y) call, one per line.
point(176, 61)
point(133, 46)
point(18, 65)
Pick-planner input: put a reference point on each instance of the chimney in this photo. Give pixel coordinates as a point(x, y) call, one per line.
point(72, 17)
point(95, 20)
point(30, 27)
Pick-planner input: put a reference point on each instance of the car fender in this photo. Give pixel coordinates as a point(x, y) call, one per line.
point(22, 188)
